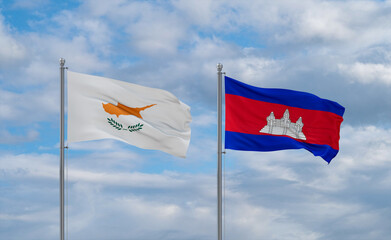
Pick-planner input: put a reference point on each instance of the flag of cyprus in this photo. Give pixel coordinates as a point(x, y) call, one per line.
point(145, 117)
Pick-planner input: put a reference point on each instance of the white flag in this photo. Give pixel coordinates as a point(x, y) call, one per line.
point(145, 117)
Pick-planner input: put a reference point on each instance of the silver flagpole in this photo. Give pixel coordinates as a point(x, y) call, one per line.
point(62, 68)
point(219, 152)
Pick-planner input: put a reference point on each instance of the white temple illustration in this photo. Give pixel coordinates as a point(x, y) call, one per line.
point(284, 126)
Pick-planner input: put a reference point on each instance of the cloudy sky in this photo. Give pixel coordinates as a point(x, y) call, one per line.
point(336, 49)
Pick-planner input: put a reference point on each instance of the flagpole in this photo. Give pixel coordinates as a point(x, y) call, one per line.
point(62, 68)
point(219, 152)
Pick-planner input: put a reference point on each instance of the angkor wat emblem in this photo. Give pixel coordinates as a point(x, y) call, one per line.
point(284, 126)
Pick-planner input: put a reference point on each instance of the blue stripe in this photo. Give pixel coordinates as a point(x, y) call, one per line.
point(282, 96)
point(265, 143)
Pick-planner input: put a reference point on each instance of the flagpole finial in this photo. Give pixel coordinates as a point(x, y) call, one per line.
point(62, 61)
point(219, 67)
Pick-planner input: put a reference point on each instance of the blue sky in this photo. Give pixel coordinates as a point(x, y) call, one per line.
point(339, 50)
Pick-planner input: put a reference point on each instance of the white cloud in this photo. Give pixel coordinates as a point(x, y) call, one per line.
point(210, 15)
point(363, 152)
point(367, 73)
point(45, 166)
point(76, 51)
point(156, 32)
point(323, 21)
point(204, 14)
point(29, 166)
point(94, 30)
point(349, 23)
point(205, 119)
point(11, 50)
point(161, 38)
point(184, 199)
point(151, 29)
point(256, 222)
point(8, 138)
point(25, 108)
point(253, 70)
point(115, 191)
point(135, 180)
point(42, 216)
point(29, 4)
point(368, 146)
point(140, 216)
point(268, 195)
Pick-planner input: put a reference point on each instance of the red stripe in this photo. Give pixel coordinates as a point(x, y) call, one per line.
point(246, 115)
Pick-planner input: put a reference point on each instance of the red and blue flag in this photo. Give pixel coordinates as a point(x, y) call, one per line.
point(261, 119)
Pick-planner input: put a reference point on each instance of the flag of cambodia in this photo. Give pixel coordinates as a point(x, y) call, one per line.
point(261, 119)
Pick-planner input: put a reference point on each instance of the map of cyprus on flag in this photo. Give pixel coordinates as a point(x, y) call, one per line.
point(147, 118)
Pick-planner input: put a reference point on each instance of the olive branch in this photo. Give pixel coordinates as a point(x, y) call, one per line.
point(115, 124)
point(119, 126)
point(136, 127)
